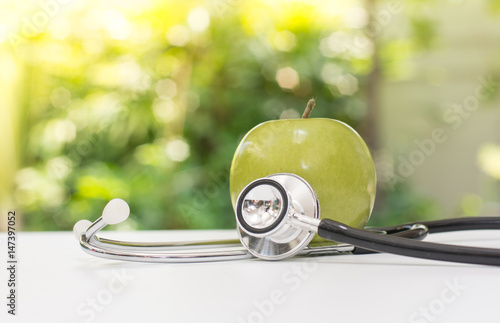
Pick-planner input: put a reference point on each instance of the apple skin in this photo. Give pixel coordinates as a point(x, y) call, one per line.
point(327, 153)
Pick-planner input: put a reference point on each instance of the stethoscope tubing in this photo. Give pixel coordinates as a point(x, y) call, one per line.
point(459, 224)
point(209, 250)
point(336, 231)
point(400, 239)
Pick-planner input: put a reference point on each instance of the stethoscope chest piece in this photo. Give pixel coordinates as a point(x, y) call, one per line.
point(271, 224)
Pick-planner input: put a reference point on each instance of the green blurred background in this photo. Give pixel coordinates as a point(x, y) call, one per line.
point(147, 101)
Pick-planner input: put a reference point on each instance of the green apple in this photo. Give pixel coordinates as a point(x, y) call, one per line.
point(327, 153)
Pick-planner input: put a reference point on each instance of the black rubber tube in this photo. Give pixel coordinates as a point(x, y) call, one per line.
point(408, 231)
point(454, 224)
point(339, 232)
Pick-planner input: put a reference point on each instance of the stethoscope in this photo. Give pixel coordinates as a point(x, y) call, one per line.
point(277, 217)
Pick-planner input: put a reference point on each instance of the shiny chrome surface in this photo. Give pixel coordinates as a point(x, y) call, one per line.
point(291, 237)
point(194, 252)
point(154, 252)
point(262, 206)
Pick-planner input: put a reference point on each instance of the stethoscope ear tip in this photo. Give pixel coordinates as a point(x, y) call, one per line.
point(80, 227)
point(116, 211)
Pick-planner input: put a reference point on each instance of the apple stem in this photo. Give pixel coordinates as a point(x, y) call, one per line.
point(309, 107)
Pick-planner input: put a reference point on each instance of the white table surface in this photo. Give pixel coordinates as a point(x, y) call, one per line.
point(58, 282)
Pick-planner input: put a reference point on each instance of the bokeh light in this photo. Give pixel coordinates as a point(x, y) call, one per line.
point(147, 100)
